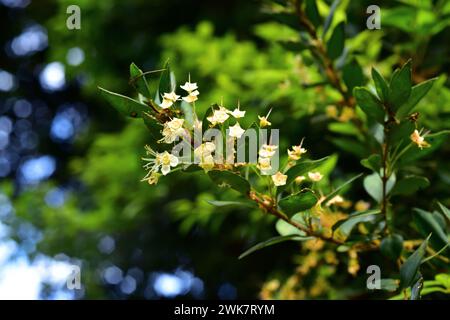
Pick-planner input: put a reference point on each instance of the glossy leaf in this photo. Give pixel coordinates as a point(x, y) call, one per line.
point(298, 202)
point(336, 43)
point(345, 226)
point(427, 224)
point(352, 75)
point(400, 87)
point(410, 269)
point(417, 93)
point(312, 12)
point(373, 162)
point(369, 104)
point(410, 185)
point(392, 246)
point(380, 85)
point(125, 105)
point(285, 229)
point(138, 80)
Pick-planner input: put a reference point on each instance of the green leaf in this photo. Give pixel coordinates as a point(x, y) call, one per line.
point(444, 210)
point(352, 74)
point(427, 224)
point(339, 189)
point(345, 226)
point(400, 87)
point(373, 162)
point(401, 133)
point(336, 43)
point(271, 242)
point(294, 46)
point(380, 85)
point(369, 104)
point(154, 128)
point(298, 202)
point(417, 93)
point(414, 153)
point(410, 269)
point(410, 185)
point(374, 186)
point(125, 105)
point(346, 128)
point(166, 83)
point(285, 229)
point(303, 168)
point(138, 80)
point(392, 246)
point(330, 16)
point(227, 178)
point(218, 203)
point(313, 13)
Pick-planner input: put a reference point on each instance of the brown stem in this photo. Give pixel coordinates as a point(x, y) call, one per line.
point(269, 206)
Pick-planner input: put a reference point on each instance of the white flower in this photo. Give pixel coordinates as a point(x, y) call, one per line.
point(315, 176)
point(419, 140)
point(169, 99)
point(166, 160)
point(237, 113)
point(236, 131)
point(264, 165)
point(157, 160)
point(203, 154)
point(192, 97)
point(267, 150)
point(263, 122)
point(299, 179)
point(296, 152)
point(189, 86)
point(219, 116)
point(279, 179)
point(172, 129)
point(335, 200)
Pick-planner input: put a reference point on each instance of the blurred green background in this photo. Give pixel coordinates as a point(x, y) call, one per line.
point(70, 165)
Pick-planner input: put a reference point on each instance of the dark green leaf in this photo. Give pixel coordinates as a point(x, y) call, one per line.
point(336, 43)
point(166, 83)
point(426, 224)
point(313, 13)
point(289, 19)
point(444, 210)
point(227, 178)
point(125, 105)
point(400, 87)
point(154, 129)
point(352, 74)
point(298, 202)
point(401, 133)
point(209, 112)
point(138, 81)
point(369, 104)
point(373, 162)
point(410, 269)
point(271, 242)
point(380, 85)
point(417, 93)
point(339, 189)
point(392, 246)
point(410, 185)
